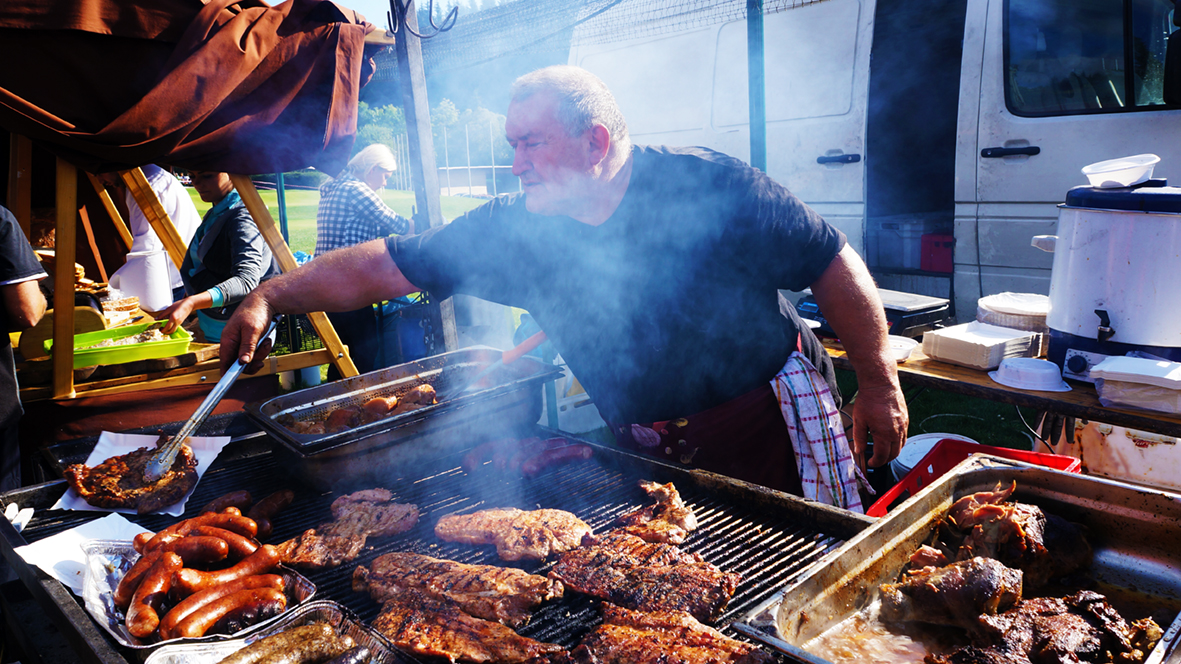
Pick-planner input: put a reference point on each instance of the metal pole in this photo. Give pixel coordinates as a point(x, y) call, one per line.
point(447, 159)
point(281, 193)
point(492, 151)
point(757, 84)
point(467, 141)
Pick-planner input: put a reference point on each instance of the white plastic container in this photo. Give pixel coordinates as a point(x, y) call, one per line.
point(916, 448)
point(1121, 172)
point(902, 347)
point(1029, 373)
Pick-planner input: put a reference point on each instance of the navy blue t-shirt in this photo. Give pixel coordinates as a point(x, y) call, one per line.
point(669, 307)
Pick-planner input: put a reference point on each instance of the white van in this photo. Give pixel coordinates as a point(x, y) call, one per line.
point(908, 123)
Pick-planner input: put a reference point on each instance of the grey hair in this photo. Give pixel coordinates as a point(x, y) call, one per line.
point(583, 100)
point(373, 155)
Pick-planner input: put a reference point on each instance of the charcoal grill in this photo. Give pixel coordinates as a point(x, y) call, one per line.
point(766, 536)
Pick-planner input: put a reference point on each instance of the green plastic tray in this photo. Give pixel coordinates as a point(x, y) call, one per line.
point(177, 343)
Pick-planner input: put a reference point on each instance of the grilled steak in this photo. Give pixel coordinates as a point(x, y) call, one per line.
point(661, 637)
point(517, 534)
point(503, 594)
point(360, 515)
point(669, 520)
point(424, 625)
point(625, 570)
point(118, 482)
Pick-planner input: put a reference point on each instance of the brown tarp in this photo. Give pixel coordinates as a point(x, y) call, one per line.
point(228, 86)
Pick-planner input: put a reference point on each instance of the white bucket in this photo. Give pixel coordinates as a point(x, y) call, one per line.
point(145, 275)
point(916, 448)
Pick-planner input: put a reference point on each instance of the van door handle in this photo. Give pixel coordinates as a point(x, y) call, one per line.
point(838, 159)
point(993, 153)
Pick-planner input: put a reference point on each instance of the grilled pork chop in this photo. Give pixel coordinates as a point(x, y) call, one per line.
point(360, 515)
point(119, 482)
point(661, 637)
point(503, 594)
point(669, 520)
point(517, 534)
point(625, 570)
point(424, 625)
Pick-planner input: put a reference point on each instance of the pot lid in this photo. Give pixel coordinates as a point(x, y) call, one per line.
point(1152, 196)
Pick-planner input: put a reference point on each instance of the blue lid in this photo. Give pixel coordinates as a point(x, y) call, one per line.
point(1151, 196)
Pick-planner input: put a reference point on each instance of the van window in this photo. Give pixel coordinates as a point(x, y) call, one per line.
point(1068, 57)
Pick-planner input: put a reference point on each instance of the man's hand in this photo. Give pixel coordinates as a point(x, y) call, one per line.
point(880, 412)
point(240, 338)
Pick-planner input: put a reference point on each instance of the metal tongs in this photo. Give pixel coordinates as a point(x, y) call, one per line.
point(164, 457)
point(508, 357)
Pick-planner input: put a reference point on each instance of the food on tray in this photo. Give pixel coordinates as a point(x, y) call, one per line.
point(661, 637)
point(424, 625)
point(503, 594)
point(266, 509)
point(959, 594)
point(516, 533)
point(374, 409)
point(524, 456)
point(317, 642)
point(147, 603)
point(223, 595)
point(625, 570)
point(669, 520)
point(119, 482)
point(148, 335)
point(358, 516)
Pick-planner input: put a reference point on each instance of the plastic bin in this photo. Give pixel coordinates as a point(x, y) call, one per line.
point(896, 241)
point(938, 252)
point(946, 454)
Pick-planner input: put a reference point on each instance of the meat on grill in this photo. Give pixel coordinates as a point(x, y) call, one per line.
point(358, 516)
point(957, 594)
point(661, 637)
point(1080, 628)
point(503, 594)
point(625, 570)
point(118, 482)
point(668, 520)
point(517, 534)
point(424, 625)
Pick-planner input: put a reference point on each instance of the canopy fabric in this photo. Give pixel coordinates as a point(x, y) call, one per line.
point(222, 85)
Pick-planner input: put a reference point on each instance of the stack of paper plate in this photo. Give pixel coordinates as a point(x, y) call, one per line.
point(1020, 311)
point(978, 345)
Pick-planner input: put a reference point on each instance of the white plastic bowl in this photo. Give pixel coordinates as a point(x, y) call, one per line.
point(901, 347)
point(1121, 172)
point(1028, 373)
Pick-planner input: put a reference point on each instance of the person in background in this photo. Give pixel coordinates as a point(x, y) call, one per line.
point(23, 307)
point(655, 272)
point(176, 202)
point(225, 260)
point(350, 213)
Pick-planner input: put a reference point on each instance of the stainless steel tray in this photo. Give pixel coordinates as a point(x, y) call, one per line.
point(372, 451)
point(380, 652)
point(108, 560)
point(1133, 531)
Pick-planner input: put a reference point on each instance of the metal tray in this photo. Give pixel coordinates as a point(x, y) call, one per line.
point(345, 622)
point(108, 560)
point(1133, 531)
point(378, 450)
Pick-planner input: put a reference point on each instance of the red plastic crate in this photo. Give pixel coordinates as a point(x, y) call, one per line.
point(946, 454)
point(938, 252)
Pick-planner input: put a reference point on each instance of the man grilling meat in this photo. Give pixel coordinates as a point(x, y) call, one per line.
point(655, 272)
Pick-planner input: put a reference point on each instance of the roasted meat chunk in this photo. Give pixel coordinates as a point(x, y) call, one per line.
point(118, 482)
point(503, 594)
point(669, 520)
point(424, 625)
point(314, 550)
point(661, 637)
point(625, 570)
point(516, 533)
point(358, 516)
point(957, 594)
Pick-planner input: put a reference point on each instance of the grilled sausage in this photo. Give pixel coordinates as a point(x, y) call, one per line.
point(143, 615)
point(131, 580)
point(198, 549)
point(547, 458)
point(141, 539)
point(193, 602)
point(529, 448)
point(482, 453)
point(263, 560)
point(229, 520)
point(286, 641)
point(356, 655)
point(267, 508)
point(255, 601)
point(240, 499)
point(239, 546)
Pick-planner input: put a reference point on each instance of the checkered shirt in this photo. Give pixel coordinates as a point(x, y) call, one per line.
point(350, 213)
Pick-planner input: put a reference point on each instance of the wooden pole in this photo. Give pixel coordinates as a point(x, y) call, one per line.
point(98, 258)
point(274, 239)
point(109, 205)
point(156, 215)
point(63, 280)
point(20, 181)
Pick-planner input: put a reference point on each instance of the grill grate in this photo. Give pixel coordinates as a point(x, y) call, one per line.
point(766, 546)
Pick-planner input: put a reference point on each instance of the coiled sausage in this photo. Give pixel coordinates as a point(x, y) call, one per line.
point(259, 603)
point(143, 615)
point(197, 600)
point(263, 560)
